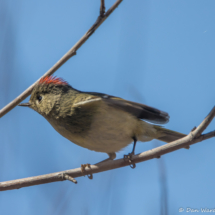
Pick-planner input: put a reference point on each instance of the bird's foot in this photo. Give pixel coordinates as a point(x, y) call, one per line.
point(83, 166)
point(129, 158)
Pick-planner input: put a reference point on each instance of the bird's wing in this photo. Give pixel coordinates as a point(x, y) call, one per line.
point(141, 111)
point(87, 101)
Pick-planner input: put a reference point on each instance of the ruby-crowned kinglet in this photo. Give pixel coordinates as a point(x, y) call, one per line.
point(97, 121)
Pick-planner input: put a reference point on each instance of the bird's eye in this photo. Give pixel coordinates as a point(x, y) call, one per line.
point(39, 98)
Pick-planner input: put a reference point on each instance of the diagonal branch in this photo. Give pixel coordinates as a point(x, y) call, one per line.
point(191, 138)
point(103, 16)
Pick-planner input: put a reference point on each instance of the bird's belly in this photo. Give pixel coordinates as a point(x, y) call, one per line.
point(111, 130)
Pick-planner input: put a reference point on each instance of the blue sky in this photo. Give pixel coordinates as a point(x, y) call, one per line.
point(160, 53)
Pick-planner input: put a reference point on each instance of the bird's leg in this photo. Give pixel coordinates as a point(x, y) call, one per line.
point(134, 145)
point(133, 150)
point(112, 156)
point(129, 156)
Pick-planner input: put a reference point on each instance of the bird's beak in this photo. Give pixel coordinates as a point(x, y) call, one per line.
point(25, 104)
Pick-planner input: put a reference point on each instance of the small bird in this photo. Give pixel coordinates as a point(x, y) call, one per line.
point(97, 121)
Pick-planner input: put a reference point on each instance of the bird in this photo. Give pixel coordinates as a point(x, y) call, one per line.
point(97, 121)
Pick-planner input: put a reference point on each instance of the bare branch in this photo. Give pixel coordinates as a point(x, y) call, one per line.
point(102, 8)
point(191, 138)
point(198, 131)
point(66, 57)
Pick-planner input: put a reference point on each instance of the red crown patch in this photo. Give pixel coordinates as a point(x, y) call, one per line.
point(52, 80)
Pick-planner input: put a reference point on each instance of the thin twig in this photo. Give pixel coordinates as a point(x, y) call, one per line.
point(66, 57)
point(102, 8)
point(69, 178)
point(191, 138)
point(198, 131)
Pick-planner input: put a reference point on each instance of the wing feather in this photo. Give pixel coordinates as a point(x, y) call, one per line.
point(141, 111)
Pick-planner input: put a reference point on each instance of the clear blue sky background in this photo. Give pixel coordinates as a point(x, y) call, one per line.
point(160, 53)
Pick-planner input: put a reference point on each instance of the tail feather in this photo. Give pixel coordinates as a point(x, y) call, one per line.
point(167, 135)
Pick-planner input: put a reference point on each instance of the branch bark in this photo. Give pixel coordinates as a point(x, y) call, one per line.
point(102, 8)
point(103, 16)
point(193, 137)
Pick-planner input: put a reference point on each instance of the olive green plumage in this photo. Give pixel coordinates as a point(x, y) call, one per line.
point(58, 105)
point(97, 121)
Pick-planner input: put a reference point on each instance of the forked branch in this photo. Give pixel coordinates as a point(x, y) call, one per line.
point(194, 136)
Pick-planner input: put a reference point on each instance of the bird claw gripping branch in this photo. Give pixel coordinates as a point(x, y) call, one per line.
point(83, 166)
point(129, 158)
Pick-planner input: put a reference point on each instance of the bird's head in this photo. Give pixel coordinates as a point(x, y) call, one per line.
point(46, 94)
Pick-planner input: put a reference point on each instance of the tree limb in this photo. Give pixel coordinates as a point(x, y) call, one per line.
point(103, 16)
point(193, 137)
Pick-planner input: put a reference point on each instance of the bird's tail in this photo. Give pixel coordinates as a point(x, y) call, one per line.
point(167, 135)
